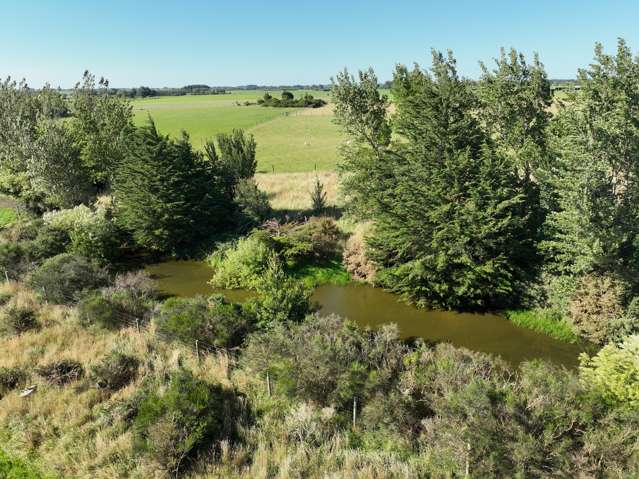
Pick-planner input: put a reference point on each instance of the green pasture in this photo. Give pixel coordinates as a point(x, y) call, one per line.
point(289, 139)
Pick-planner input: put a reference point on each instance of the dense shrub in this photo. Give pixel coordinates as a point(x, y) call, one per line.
point(325, 359)
point(279, 298)
point(317, 239)
point(61, 372)
point(614, 371)
point(96, 308)
point(114, 371)
point(189, 414)
point(596, 308)
point(212, 321)
point(13, 259)
point(240, 264)
point(11, 378)
point(252, 204)
point(17, 319)
point(62, 278)
point(49, 242)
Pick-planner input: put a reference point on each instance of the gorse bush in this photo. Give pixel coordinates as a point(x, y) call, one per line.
point(114, 371)
point(317, 239)
point(63, 278)
point(171, 424)
point(240, 264)
point(213, 321)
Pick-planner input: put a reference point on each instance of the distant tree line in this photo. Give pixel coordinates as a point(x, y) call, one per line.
point(288, 100)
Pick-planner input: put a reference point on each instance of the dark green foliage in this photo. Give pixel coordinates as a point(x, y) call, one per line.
point(448, 208)
point(167, 195)
point(16, 319)
point(10, 379)
point(288, 101)
point(279, 298)
point(253, 207)
point(233, 160)
point(49, 242)
point(114, 371)
point(63, 278)
point(213, 321)
point(96, 308)
point(13, 259)
point(325, 359)
point(189, 414)
point(61, 372)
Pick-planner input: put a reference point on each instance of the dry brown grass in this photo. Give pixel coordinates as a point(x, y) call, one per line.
point(291, 191)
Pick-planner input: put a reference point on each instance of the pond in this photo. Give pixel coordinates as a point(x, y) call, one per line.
point(368, 306)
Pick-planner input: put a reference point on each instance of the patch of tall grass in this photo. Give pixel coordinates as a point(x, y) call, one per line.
point(543, 321)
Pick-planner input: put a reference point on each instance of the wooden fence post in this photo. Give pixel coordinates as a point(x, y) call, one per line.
point(137, 324)
point(268, 384)
point(197, 349)
point(354, 411)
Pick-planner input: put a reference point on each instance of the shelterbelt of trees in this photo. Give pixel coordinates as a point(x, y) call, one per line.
point(474, 196)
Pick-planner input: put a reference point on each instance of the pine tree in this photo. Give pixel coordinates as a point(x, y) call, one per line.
point(446, 205)
point(318, 196)
point(167, 195)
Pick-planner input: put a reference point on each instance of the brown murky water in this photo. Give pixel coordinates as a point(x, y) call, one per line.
point(373, 307)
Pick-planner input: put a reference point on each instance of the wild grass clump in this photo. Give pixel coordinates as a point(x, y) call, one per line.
point(325, 272)
point(544, 321)
point(61, 372)
point(11, 378)
point(17, 319)
point(114, 371)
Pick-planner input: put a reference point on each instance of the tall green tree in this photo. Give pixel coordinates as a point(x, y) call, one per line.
point(167, 195)
point(446, 205)
point(596, 177)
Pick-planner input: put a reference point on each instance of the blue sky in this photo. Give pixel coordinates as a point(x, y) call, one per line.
point(172, 43)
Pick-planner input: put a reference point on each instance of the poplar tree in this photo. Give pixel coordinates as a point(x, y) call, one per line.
point(445, 203)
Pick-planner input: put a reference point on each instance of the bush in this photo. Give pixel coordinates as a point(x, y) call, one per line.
point(63, 278)
point(97, 309)
point(596, 308)
point(171, 425)
point(114, 371)
point(355, 260)
point(240, 264)
point(214, 321)
point(13, 259)
point(61, 372)
point(317, 239)
point(10, 379)
point(614, 371)
point(252, 203)
point(279, 298)
point(326, 360)
point(49, 242)
point(15, 319)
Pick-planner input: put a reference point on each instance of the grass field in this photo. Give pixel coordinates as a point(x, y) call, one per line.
point(288, 139)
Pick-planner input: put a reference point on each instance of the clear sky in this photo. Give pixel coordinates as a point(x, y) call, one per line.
point(224, 42)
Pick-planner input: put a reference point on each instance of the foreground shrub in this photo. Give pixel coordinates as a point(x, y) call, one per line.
point(114, 371)
point(212, 321)
point(279, 298)
point(14, 259)
point(326, 360)
point(97, 309)
point(596, 308)
point(16, 319)
point(10, 379)
point(240, 264)
point(614, 371)
point(63, 278)
point(172, 424)
point(61, 372)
